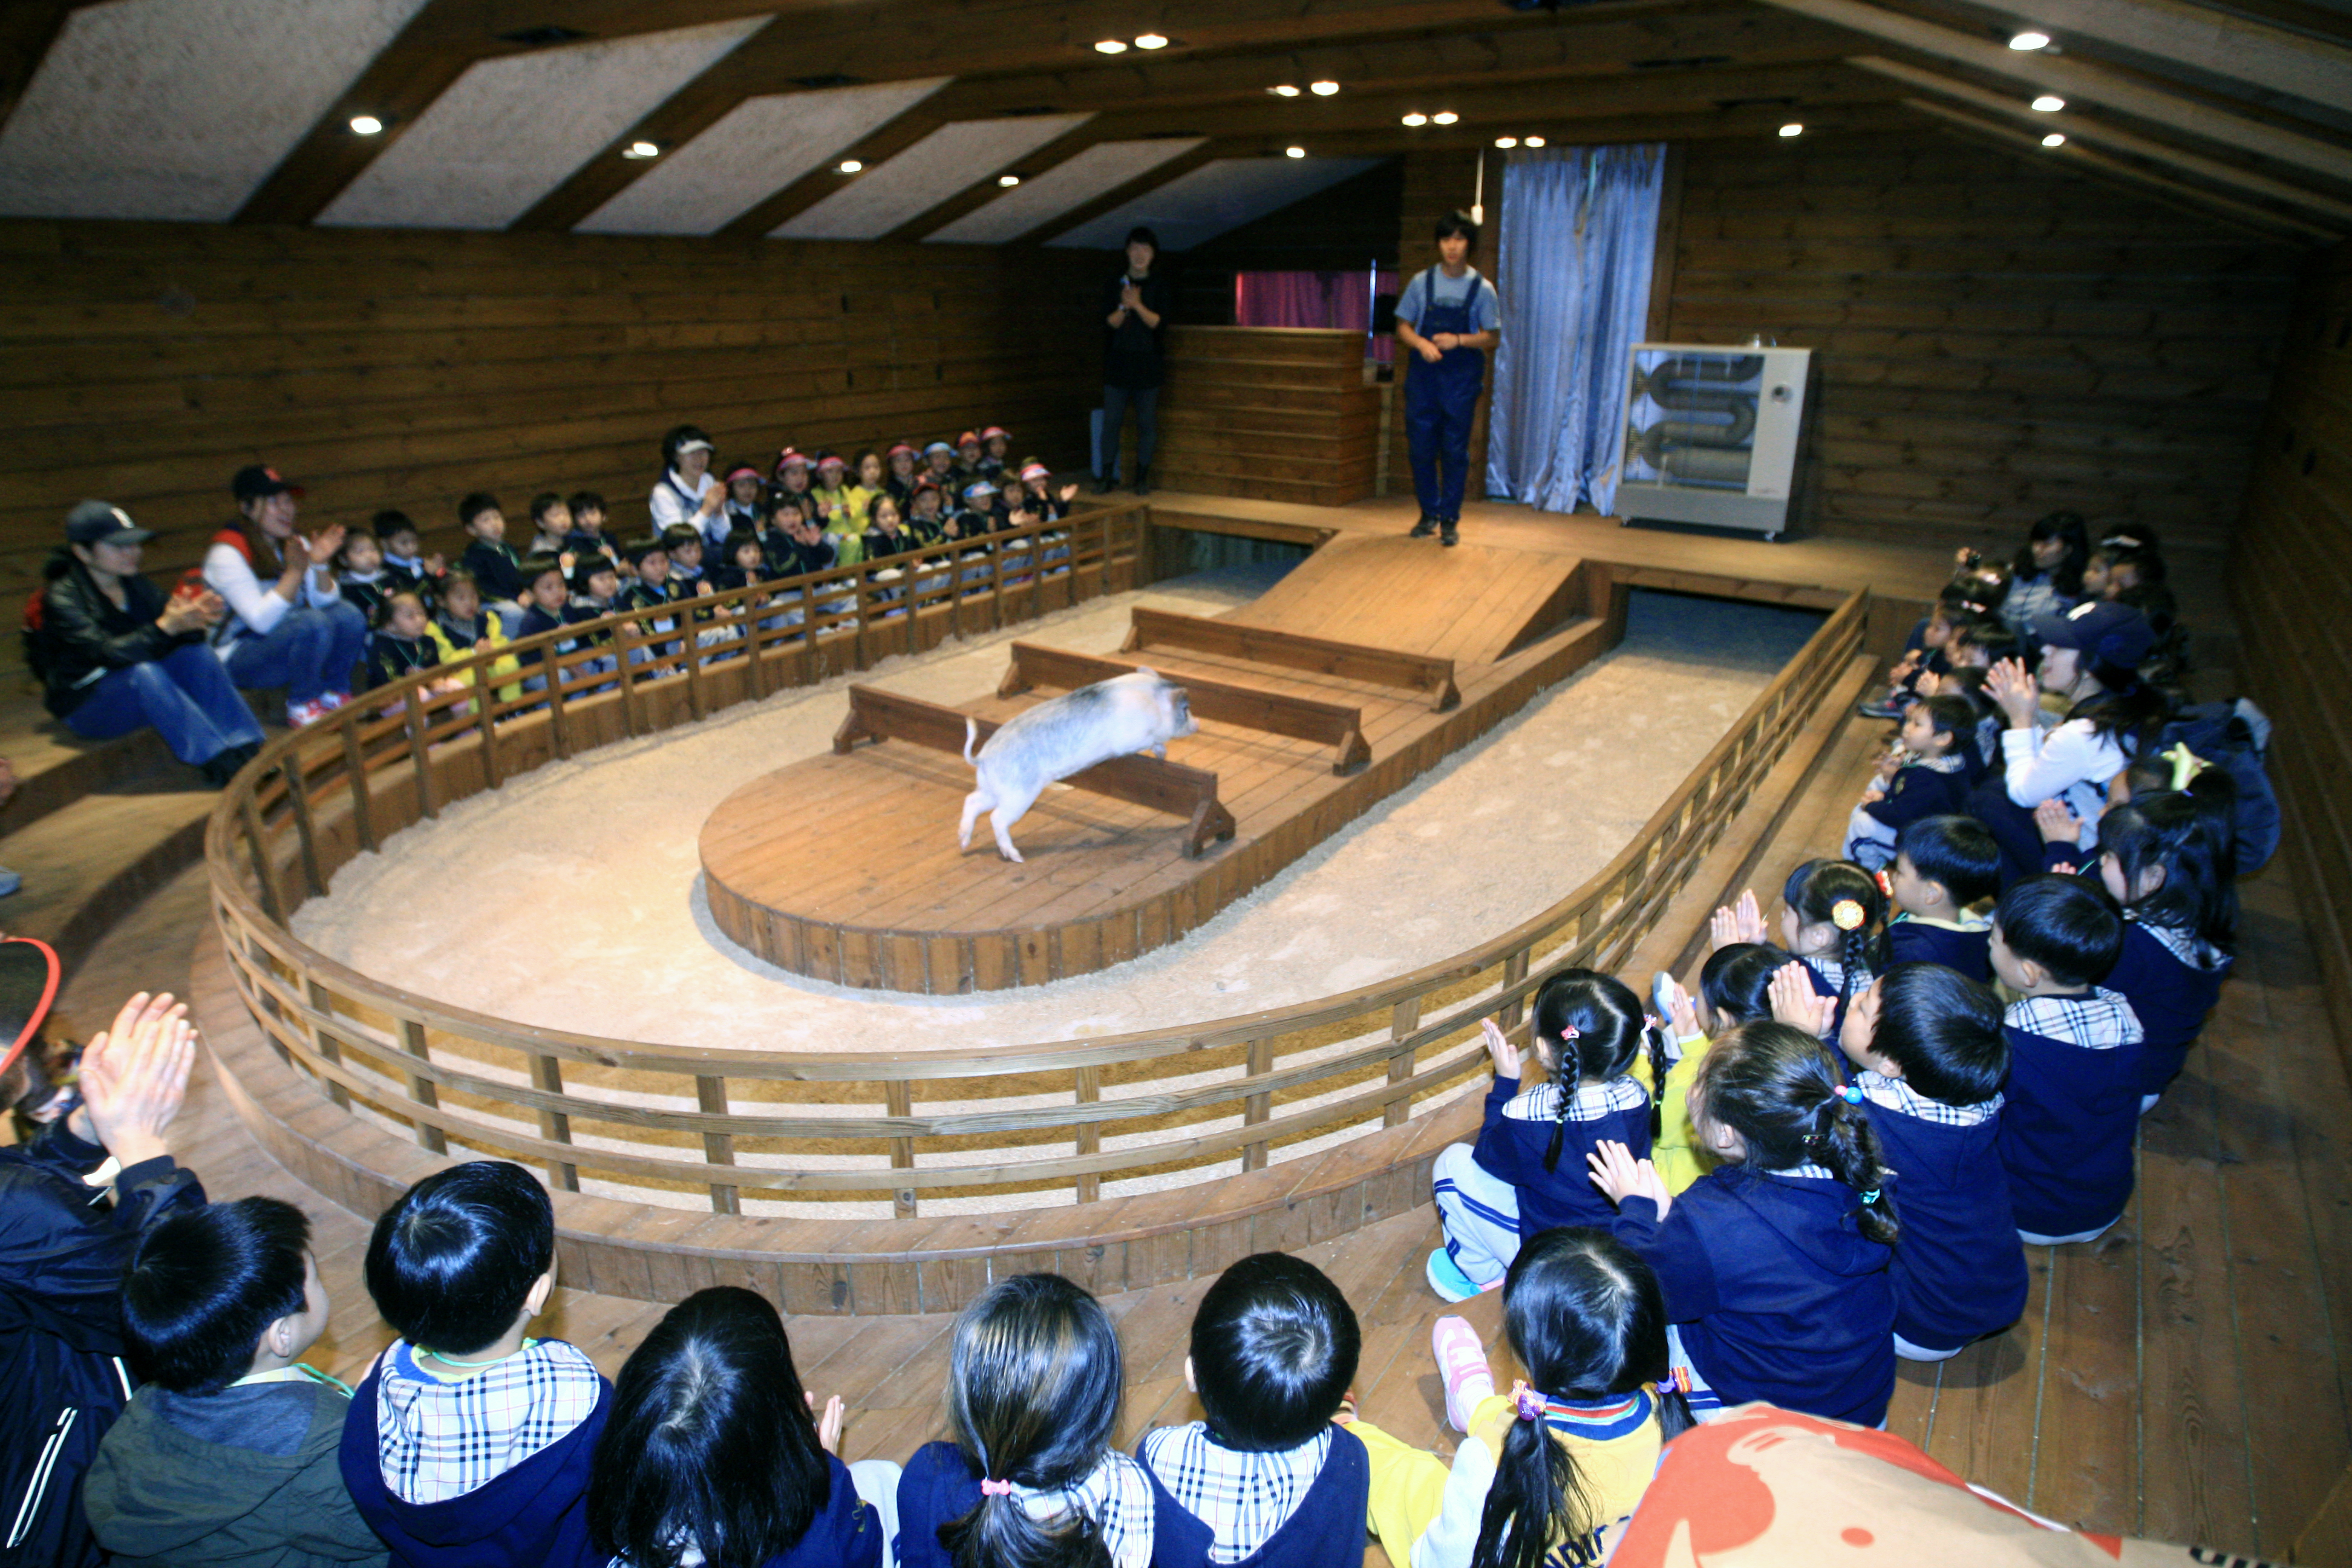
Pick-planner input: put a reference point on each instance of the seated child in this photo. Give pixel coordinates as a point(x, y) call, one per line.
point(1735, 986)
point(545, 595)
point(924, 519)
point(902, 460)
point(1923, 650)
point(2075, 1060)
point(995, 453)
point(940, 465)
point(470, 1441)
point(712, 1453)
point(226, 1454)
point(496, 568)
point(745, 564)
point(403, 644)
point(465, 627)
point(1266, 1479)
point(969, 454)
point(1527, 1172)
point(1547, 1473)
point(1047, 502)
point(1032, 1395)
point(1830, 914)
point(885, 535)
point(590, 528)
point(832, 494)
point(746, 503)
point(406, 564)
point(649, 587)
point(1932, 1056)
point(1942, 864)
point(805, 548)
point(595, 583)
point(360, 575)
point(551, 523)
point(868, 479)
point(2167, 859)
point(1925, 774)
point(682, 543)
point(1774, 1263)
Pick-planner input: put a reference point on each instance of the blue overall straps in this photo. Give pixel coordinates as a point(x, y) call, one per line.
point(1439, 402)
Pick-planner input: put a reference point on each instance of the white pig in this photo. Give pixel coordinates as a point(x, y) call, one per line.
point(1066, 735)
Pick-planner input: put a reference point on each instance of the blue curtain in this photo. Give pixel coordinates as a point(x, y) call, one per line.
point(1580, 227)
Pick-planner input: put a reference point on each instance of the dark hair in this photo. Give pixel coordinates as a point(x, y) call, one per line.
point(2130, 709)
point(1032, 1395)
point(342, 559)
point(461, 577)
point(388, 522)
point(383, 611)
point(1141, 234)
point(1780, 1088)
point(2194, 841)
point(474, 505)
point(1594, 1025)
point(1737, 980)
point(2066, 578)
point(1982, 588)
point(637, 550)
point(788, 501)
point(1953, 716)
point(453, 1257)
point(1996, 639)
point(2068, 925)
point(1816, 888)
point(585, 569)
point(586, 500)
point(737, 538)
point(679, 434)
point(203, 1286)
point(1457, 222)
point(534, 567)
point(1958, 851)
point(1943, 1029)
point(542, 503)
point(2146, 564)
point(1587, 1320)
point(1274, 1348)
point(709, 1442)
point(679, 533)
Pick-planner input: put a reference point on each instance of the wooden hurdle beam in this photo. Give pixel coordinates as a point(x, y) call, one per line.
point(1247, 706)
point(1172, 787)
point(1295, 650)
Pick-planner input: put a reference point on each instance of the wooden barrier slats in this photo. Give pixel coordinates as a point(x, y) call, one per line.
point(1293, 650)
point(1277, 713)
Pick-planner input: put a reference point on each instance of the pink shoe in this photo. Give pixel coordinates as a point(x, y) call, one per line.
point(1461, 1367)
point(301, 715)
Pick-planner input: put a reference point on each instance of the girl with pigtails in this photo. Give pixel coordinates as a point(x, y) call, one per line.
point(1527, 1172)
point(1833, 921)
point(1031, 1480)
point(1775, 1264)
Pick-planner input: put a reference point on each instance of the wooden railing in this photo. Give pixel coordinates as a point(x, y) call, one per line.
point(1232, 1089)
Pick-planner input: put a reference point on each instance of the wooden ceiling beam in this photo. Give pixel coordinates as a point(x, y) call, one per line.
point(873, 150)
point(984, 188)
point(2078, 127)
point(2205, 203)
point(2203, 39)
point(28, 29)
point(2077, 80)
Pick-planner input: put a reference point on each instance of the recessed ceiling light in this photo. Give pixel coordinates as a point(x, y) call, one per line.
point(2027, 41)
point(1150, 41)
point(2054, 140)
point(1111, 46)
point(1322, 89)
point(641, 149)
point(1293, 151)
point(1008, 181)
point(1416, 118)
point(1531, 141)
point(2050, 103)
point(1444, 117)
point(1286, 90)
point(1506, 140)
point(849, 165)
point(365, 124)
point(1792, 129)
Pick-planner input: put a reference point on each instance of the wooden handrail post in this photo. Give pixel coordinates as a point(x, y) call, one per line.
point(717, 1148)
point(624, 643)
point(1088, 1134)
point(327, 1048)
point(899, 1099)
point(423, 1090)
point(547, 1076)
point(1514, 969)
point(356, 779)
point(558, 720)
point(298, 797)
point(1257, 1108)
point(417, 753)
point(1403, 1019)
point(265, 876)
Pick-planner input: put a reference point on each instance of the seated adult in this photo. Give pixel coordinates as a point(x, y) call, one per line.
point(287, 624)
point(114, 655)
point(685, 492)
point(64, 1244)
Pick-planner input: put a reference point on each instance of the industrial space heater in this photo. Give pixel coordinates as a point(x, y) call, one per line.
point(1711, 434)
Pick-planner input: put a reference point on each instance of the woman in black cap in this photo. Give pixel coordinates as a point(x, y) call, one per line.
point(1135, 307)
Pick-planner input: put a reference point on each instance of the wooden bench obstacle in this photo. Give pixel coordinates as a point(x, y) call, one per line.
point(1335, 724)
point(1295, 650)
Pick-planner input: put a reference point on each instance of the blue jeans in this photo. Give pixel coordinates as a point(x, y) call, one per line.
point(186, 695)
point(309, 653)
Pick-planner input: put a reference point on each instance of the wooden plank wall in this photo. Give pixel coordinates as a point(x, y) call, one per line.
point(1435, 183)
point(1996, 338)
point(1273, 413)
point(144, 362)
point(2291, 581)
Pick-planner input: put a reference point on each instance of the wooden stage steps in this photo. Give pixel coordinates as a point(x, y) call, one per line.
point(1315, 702)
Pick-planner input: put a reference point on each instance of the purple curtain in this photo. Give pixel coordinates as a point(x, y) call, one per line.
point(1307, 300)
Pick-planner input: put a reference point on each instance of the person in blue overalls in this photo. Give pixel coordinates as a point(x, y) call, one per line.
point(1450, 317)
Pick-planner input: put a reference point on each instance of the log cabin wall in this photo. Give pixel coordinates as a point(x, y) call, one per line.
point(1286, 414)
point(145, 363)
point(2291, 582)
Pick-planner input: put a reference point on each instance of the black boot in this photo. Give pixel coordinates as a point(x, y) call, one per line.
point(1106, 483)
point(1142, 481)
point(225, 764)
point(1447, 533)
point(1426, 527)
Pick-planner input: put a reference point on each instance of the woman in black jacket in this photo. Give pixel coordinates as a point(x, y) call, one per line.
point(114, 654)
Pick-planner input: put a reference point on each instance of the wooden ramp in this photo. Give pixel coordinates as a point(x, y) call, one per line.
point(1473, 603)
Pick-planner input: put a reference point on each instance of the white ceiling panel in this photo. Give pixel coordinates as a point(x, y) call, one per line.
point(1214, 197)
point(927, 174)
point(511, 129)
point(1105, 166)
point(180, 109)
point(761, 145)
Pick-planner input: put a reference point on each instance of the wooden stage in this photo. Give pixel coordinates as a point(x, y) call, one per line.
point(1358, 671)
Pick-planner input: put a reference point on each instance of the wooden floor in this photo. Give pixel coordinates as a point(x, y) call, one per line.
point(1472, 604)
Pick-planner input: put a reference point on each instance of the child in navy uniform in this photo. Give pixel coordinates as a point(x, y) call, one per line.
point(2075, 1060)
point(470, 1441)
point(1830, 915)
point(402, 644)
point(494, 562)
point(1033, 1393)
point(1266, 1479)
point(2168, 859)
point(360, 575)
point(713, 1453)
point(1527, 1172)
point(1774, 1263)
point(1932, 1056)
point(1928, 774)
point(1942, 864)
point(406, 564)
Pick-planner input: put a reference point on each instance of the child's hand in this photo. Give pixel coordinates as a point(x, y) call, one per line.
point(1905, 665)
point(1890, 763)
point(1795, 1002)
point(829, 1425)
point(484, 645)
point(1682, 1014)
point(1621, 1177)
point(1929, 683)
point(2057, 823)
point(1743, 922)
point(1873, 792)
point(565, 560)
point(1069, 492)
point(437, 565)
point(702, 585)
point(1500, 1050)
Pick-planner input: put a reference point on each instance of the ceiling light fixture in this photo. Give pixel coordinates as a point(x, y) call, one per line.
point(2026, 42)
point(1416, 118)
point(1288, 89)
point(849, 165)
point(1293, 151)
point(2050, 103)
point(1531, 141)
point(365, 124)
point(1322, 89)
point(1506, 140)
point(1150, 41)
point(641, 149)
point(2054, 140)
point(1792, 129)
point(1008, 181)
point(1444, 117)
point(1111, 46)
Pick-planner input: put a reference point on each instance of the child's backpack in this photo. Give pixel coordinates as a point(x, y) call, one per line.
point(2235, 738)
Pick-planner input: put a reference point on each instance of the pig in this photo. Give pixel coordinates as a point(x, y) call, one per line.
point(1066, 735)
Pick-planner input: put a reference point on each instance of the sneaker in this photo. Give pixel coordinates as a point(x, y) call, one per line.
point(9, 882)
point(1662, 998)
point(1885, 708)
point(1461, 1368)
point(1448, 534)
point(301, 715)
point(1445, 1278)
point(1424, 528)
point(333, 701)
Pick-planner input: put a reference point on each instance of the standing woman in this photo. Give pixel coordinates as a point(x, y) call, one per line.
point(685, 492)
point(1134, 360)
point(1450, 317)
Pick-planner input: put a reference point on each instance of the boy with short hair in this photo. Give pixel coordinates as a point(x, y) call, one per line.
point(1925, 774)
point(551, 523)
point(2074, 1049)
point(1942, 864)
point(227, 1453)
point(1267, 1477)
point(406, 564)
point(494, 562)
point(470, 1441)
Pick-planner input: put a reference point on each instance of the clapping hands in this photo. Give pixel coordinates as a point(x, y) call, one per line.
point(1796, 1003)
point(1621, 1177)
point(1508, 1059)
point(134, 1077)
point(1743, 922)
point(2014, 690)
